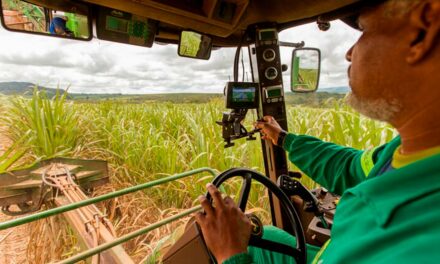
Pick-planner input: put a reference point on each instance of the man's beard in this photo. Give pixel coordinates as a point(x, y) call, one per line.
point(379, 109)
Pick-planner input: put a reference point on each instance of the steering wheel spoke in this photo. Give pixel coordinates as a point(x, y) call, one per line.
point(245, 191)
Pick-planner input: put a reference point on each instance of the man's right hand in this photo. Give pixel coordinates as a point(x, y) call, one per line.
point(269, 128)
point(226, 229)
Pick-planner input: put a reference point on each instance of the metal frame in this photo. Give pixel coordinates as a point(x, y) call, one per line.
point(120, 240)
point(275, 159)
point(127, 237)
point(70, 207)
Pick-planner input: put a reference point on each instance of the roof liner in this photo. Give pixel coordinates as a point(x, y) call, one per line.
point(225, 20)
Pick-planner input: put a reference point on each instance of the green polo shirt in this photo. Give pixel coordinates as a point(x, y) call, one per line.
point(390, 218)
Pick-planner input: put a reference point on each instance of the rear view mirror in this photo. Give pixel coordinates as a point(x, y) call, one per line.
point(195, 45)
point(306, 68)
point(65, 18)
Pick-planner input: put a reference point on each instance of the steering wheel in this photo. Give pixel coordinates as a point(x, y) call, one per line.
point(299, 251)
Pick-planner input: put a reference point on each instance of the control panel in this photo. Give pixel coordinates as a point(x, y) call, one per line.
point(267, 36)
point(266, 63)
point(267, 55)
point(273, 94)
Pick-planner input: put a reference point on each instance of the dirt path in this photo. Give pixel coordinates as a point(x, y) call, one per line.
point(13, 241)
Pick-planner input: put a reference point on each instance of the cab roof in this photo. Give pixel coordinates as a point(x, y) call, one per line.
point(226, 20)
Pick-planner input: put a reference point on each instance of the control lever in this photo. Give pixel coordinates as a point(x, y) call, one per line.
point(293, 187)
point(256, 224)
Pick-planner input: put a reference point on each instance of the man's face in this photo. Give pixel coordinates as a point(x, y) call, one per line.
point(377, 60)
point(59, 30)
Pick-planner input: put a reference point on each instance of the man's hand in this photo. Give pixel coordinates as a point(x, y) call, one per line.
point(226, 228)
point(270, 129)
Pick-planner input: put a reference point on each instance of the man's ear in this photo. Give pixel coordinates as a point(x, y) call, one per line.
point(425, 18)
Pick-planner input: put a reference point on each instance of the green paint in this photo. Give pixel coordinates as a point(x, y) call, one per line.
point(295, 71)
point(70, 207)
point(127, 237)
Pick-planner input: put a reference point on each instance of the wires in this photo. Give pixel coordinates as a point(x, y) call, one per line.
point(242, 64)
point(237, 57)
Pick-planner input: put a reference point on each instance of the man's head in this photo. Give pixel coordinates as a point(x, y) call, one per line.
point(393, 72)
point(58, 26)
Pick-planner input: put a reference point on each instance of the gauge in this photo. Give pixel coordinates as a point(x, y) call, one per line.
point(269, 55)
point(271, 73)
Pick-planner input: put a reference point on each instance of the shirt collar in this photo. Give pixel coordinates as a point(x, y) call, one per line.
point(401, 160)
point(386, 155)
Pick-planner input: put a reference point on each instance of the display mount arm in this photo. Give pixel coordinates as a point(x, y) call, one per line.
point(293, 45)
point(232, 127)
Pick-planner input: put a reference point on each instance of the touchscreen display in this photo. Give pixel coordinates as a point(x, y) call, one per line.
point(243, 95)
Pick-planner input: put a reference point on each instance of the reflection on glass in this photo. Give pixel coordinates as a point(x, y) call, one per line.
point(195, 45)
point(58, 27)
point(24, 16)
point(305, 70)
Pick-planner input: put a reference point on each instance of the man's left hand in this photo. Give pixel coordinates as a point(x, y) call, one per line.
point(226, 229)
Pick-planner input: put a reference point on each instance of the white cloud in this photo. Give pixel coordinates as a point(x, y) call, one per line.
point(105, 67)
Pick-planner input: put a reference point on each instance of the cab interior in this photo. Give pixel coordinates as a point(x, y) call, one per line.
point(227, 23)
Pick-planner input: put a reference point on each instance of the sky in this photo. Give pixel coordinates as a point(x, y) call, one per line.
point(106, 67)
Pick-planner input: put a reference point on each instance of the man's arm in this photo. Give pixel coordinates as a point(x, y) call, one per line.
point(335, 167)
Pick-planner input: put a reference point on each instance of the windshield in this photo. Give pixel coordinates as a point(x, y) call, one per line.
point(105, 67)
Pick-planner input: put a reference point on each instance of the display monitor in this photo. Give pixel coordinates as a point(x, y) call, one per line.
point(123, 27)
point(268, 34)
point(242, 95)
point(275, 91)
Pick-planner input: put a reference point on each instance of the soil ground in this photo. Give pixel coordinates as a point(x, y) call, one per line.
point(13, 241)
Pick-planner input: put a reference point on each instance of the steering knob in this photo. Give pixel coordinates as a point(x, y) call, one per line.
point(257, 225)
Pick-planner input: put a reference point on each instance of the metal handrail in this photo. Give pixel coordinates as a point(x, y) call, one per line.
point(93, 251)
point(73, 206)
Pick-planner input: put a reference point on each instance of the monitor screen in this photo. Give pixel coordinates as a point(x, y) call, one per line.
point(243, 95)
point(268, 35)
point(116, 24)
point(274, 93)
point(123, 27)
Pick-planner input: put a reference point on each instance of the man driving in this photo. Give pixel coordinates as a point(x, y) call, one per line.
point(389, 211)
point(58, 27)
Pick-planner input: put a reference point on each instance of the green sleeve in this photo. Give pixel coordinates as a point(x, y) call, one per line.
point(257, 255)
point(334, 167)
point(242, 258)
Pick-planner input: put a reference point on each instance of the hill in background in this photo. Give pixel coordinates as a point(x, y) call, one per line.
point(25, 88)
point(314, 99)
point(339, 90)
